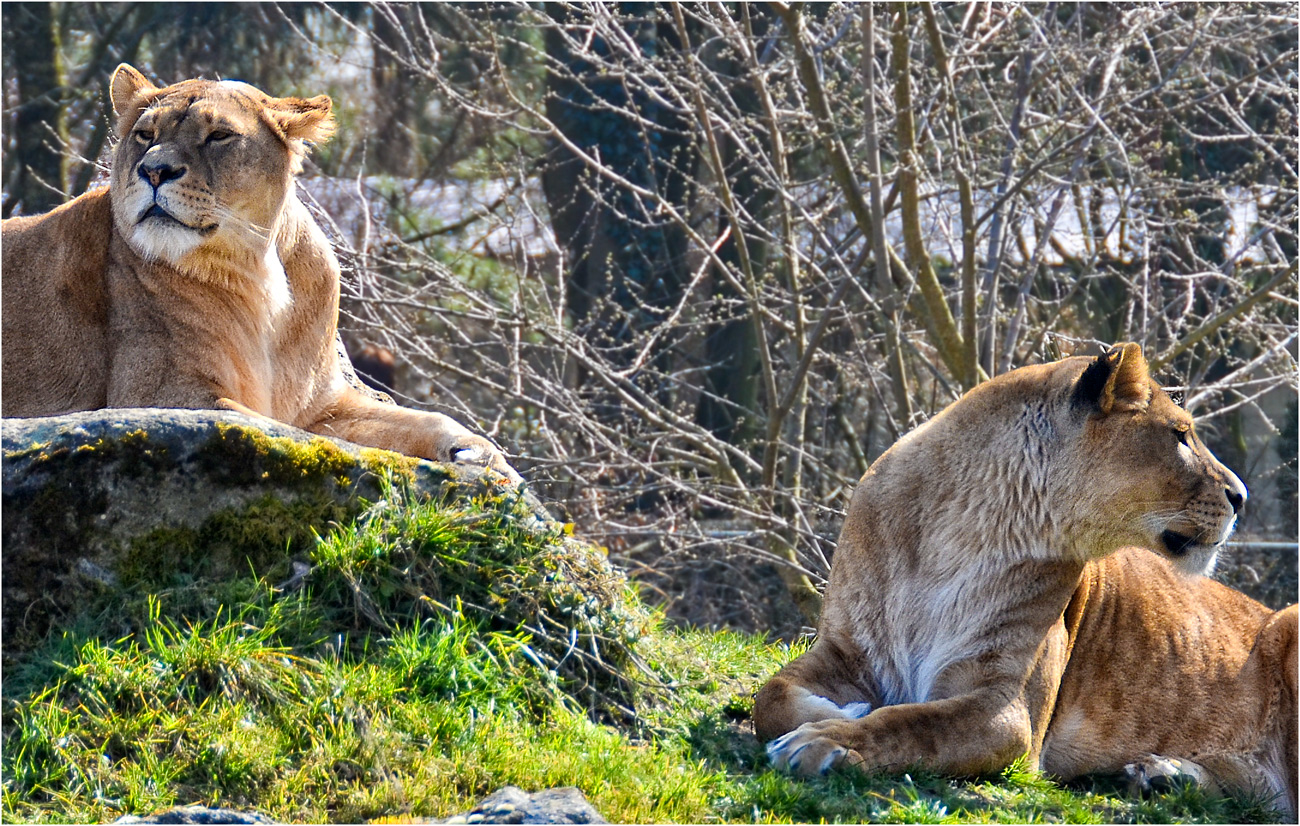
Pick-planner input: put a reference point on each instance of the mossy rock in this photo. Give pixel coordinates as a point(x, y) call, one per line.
point(155, 498)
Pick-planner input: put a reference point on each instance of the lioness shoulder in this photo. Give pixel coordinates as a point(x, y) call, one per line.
point(1024, 575)
point(197, 278)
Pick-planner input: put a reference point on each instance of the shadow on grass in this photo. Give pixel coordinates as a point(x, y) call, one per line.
point(724, 740)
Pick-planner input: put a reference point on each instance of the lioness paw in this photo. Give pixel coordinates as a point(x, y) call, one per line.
point(477, 451)
point(471, 454)
point(806, 753)
point(1159, 774)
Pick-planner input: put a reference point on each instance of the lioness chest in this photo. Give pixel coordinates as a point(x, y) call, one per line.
point(929, 631)
point(182, 341)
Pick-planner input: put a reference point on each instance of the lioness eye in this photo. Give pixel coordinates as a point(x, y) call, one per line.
point(219, 135)
point(144, 136)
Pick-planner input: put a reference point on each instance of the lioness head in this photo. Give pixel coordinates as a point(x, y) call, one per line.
point(1070, 460)
point(1138, 474)
point(203, 168)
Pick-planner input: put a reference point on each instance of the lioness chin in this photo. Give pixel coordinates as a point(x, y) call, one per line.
point(993, 596)
point(197, 279)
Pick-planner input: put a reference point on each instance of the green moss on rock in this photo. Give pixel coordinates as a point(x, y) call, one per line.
point(157, 498)
point(257, 538)
point(236, 455)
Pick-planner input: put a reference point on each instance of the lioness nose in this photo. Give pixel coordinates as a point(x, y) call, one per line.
point(158, 172)
point(1235, 499)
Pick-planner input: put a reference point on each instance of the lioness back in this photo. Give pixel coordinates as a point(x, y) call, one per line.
point(985, 601)
point(55, 309)
point(1183, 640)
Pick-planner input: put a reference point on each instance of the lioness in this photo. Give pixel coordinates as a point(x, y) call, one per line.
point(197, 279)
point(984, 604)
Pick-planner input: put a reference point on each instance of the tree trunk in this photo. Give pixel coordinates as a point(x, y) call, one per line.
point(36, 168)
point(625, 263)
point(728, 407)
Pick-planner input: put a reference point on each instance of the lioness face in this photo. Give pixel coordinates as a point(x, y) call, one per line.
point(1149, 476)
point(203, 168)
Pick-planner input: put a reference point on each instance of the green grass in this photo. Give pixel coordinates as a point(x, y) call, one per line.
point(432, 656)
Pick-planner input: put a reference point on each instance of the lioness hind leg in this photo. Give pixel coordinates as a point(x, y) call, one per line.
point(1216, 774)
point(1277, 659)
point(1155, 773)
point(1263, 764)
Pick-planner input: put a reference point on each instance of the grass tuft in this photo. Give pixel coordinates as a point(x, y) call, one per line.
point(397, 566)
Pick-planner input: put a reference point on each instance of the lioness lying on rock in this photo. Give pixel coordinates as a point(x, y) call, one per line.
point(197, 279)
point(985, 603)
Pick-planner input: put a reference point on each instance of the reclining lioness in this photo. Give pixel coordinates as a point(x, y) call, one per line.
point(985, 601)
point(197, 279)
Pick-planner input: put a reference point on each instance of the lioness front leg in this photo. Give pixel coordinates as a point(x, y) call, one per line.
point(814, 686)
point(971, 734)
point(365, 421)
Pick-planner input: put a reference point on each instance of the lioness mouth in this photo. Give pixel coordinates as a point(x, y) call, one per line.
point(1177, 543)
point(156, 211)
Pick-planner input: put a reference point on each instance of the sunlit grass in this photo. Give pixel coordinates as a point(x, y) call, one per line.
point(432, 656)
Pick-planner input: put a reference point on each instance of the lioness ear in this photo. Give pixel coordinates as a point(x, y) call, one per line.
point(303, 120)
point(127, 86)
point(1116, 381)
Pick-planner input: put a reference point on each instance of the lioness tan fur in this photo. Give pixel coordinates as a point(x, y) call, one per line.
point(197, 279)
point(992, 596)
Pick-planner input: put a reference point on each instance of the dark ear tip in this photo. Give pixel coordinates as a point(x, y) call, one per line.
point(1117, 379)
point(1088, 390)
point(1115, 353)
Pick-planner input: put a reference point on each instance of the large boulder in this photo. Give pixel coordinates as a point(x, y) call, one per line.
point(126, 497)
